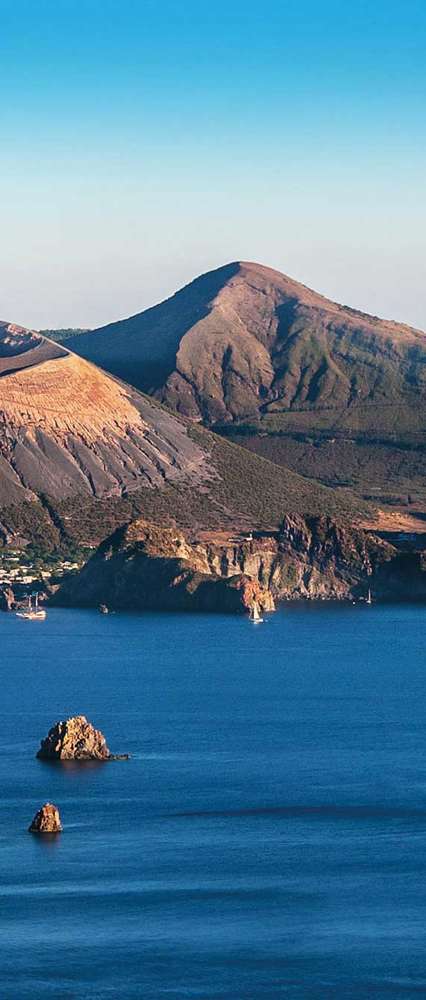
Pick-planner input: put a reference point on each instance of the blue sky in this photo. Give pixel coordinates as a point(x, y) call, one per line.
point(145, 142)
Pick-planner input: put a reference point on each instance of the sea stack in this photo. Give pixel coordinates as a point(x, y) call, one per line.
point(76, 739)
point(46, 820)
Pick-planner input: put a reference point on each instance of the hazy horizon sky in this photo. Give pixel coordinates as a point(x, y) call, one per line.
point(146, 142)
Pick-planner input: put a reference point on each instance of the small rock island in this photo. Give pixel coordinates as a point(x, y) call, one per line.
point(76, 739)
point(46, 820)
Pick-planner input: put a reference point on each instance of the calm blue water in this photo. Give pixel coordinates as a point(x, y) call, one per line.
point(268, 837)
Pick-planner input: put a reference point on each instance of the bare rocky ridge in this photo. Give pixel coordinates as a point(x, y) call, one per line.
point(46, 820)
point(76, 739)
point(246, 348)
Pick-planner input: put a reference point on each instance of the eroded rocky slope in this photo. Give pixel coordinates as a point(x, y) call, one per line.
point(66, 427)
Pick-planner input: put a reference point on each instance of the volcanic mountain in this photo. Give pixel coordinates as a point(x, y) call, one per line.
point(81, 453)
point(336, 394)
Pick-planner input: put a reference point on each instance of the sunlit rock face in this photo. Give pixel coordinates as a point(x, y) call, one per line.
point(74, 739)
point(46, 820)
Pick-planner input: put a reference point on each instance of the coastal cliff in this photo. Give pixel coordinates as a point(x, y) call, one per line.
point(147, 566)
point(318, 558)
point(308, 557)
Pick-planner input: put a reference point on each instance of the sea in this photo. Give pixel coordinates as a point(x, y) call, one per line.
point(266, 839)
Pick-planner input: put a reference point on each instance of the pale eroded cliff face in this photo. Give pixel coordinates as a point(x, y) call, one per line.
point(310, 557)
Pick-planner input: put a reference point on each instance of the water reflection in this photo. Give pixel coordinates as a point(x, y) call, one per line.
point(48, 842)
point(74, 767)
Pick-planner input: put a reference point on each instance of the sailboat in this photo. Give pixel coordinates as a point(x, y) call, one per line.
point(369, 599)
point(33, 612)
point(255, 615)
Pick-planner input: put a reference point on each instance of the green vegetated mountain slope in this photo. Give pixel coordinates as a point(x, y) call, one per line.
point(82, 453)
point(319, 387)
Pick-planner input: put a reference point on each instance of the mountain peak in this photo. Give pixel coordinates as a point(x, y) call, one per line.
point(249, 349)
point(278, 342)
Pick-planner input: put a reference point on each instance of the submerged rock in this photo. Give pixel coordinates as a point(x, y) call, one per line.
point(46, 820)
point(76, 739)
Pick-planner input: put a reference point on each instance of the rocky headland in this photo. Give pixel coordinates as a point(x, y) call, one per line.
point(148, 566)
point(76, 739)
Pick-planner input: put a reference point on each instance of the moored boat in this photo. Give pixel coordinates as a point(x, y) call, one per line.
point(33, 612)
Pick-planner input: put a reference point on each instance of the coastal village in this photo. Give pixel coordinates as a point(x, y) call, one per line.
point(15, 570)
point(22, 573)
